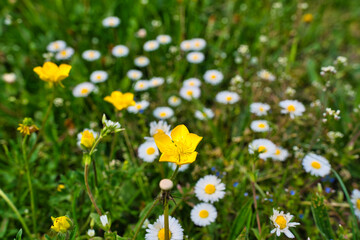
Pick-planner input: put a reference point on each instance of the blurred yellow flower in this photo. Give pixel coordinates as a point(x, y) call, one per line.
point(61, 224)
point(308, 18)
point(180, 148)
point(27, 127)
point(87, 139)
point(52, 73)
point(120, 100)
point(60, 187)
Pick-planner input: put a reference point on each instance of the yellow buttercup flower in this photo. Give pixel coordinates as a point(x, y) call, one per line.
point(61, 224)
point(52, 73)
point(308, 18)
point(180, 148)
point(87, 139)
point(60, 187)
point(27, 127)
point(120, 100)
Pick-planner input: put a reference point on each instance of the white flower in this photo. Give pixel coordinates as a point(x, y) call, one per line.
point(156, 81)
point(174, 101)
point(259, 109)
point(120, 51)
point(206, 113)
point(83, 89)
point(328, 69)
point(151, 45)
point(182, 168)
point(98, 76)
point(163, 112)
point(163, 39)
point(163, 126)
point(197, 44)
point(203, 214)
point(134, 74)
point(355, 199)
point(65, 54)
point(293, 107)
point(91, 232)
point(79, 136)
point(282, 223)
point(111, 22)
point(341, 59)
point(265, 146)
point(192, 82)
point(141, 85)
point(227, 97)
point(148, 151)
point(139, 106)
point(56, 46)
point(9, 77)
point(156, 231)
point(91, 55)
point(195, 57)
point(316, 165)
point(214, 77)
point(280, 154)
point(141, 33)
point(104, 220)
point(189, 93)
point(260, 126)
point(266, 75)
point(186, 45)
point(209, 189)
point(141, 61)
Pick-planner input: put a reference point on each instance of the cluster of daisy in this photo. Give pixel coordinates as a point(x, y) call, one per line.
point(331, 113)
point(267, 149)
point(329, 70)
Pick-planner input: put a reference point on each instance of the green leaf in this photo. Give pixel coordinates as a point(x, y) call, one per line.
point(321, 217)
point(240, 221)
point(19, 234)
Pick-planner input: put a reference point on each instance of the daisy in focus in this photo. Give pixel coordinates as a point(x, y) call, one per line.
point(316, 165)
point(91, 55)
point(188, 93)
point(214, 77)
point(266, 75)
point(280, 154)
point(120, 51)
point(148, 151)
point(259, 109)
point(260, 126)
point(111, 22)
point(98, 76)
point(292, 107)
point(355, 199)
point(83, 89)
point(156, 231)
point(227, 97)
point(209, 189)
point(265, 147)
point(282, 223)
point(163, 113)
point(203, 214)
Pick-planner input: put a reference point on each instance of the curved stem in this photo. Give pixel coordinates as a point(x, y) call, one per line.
point(175, 173)
point(89, 191)
point(166, 217)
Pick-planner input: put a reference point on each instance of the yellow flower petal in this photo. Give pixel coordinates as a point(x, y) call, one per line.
point(179, 133)
point(169, 158)
point(187, 158)
point(191, 142)
point(164, 143)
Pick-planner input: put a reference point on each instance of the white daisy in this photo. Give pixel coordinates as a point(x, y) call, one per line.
point(163, 39)
point(163, 112)
point(120, 51)
point(139, 106)
point(189, 93)
point(259, 109)
point(91, 232)
point(293, 107)
point(141, 61)
point(282, 223)
point(79, 135)
point(214, 77)
point(195, 57)
point(98, 76)
point(182, 168)
point(64, 54)
point(83, 89)
point(151, 45)
point(265, 146)
point(141, 85)
point(9, 77)
point(174, 101)
point(316, 165)
point(280, 154)
point(56, 46)
point(192, 82)
point(148, 151)
point(198, 44)
point(134, 74)
point(209, 189)
point(227, 97)
point(203, 214)
point(355, 199)
point(206, 113)
point(186, 45)
point(156, 231)
point(260, 126)
point(111, 22)
point(163, 126)
point(266, 75)
point(91, 55)
point(156, 81)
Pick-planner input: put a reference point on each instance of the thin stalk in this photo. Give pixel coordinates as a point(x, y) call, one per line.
point(255, 205)
point(130, 148)
point(166, 218)
point(89, 191)
point(12, 206)
point(175, 173)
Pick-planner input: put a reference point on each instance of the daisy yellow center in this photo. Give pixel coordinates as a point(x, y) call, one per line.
point(150, 150)
point(91, 54)
point(163, 39)
point(192, 84)
point(210, 188)
point(134, 75)
point(262, 149)
point(141, 60)
point(358, 203)
point(197, 44)
point(141, 85)
point(261, 109)
point(187, 45)
point(120, 51)
point(228, 98)
point(138, 106)
point(174, 100)
point(56, 46)
point(163, 114)
point(316, 165)
point(155, 82)
point(151, 45)
point(291, 108)
point(281, 221)
point(195, 57)
point(203, 214)
point(189, 93)
point(261, 125)
point(277, 152)
point(84, 91)
point(266, 75)
point(98, 77)
point(63, 53)
point(161, 234)
point(213, 76)
point(111, 22)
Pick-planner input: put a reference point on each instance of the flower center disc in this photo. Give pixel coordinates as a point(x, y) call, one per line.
point(228, 98)
point(161, 234)
point(358, 204)
point(84, 91)
point(150, 150)
point(261, 125)
point(163, 114)
point(262, 149)
point(281, 221)
point(203, 214)
point(291, 108)
point(316, 165)
point(210, 189)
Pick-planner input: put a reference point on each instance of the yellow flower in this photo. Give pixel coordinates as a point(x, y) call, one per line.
point(308, 18)
point(60, 187)
point(27, 127)
point(119, 100)
point(87, 139)
point(61, 224)
point(180, 148)
point(52, 73)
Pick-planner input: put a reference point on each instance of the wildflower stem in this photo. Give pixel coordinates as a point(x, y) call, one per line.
point(255, 205)
point(175, 173)
point(166, 217)
point(12, 206)
point(89, 191)
point(27, 170)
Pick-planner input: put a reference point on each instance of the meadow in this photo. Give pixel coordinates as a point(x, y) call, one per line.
point(187, 119)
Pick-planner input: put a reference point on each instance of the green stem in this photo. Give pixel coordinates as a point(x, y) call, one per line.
point(27, 170)
point(166, 218)
point(12, 206)
point(88, 189)
point(175, 173)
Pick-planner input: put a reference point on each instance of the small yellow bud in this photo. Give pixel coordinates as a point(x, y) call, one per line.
point(61, 224)
point(87, 139)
